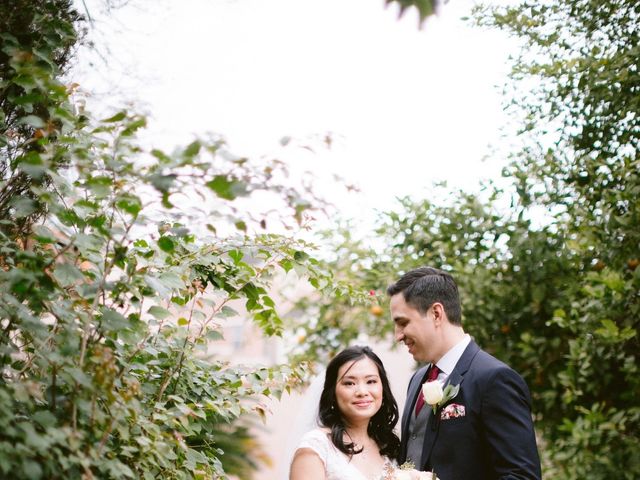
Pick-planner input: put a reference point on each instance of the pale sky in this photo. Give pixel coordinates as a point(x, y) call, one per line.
point(405, 107)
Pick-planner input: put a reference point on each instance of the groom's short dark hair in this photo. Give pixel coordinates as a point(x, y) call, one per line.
point(424, 286)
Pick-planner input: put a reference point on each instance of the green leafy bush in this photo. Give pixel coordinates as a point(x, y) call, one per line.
point(124, 267)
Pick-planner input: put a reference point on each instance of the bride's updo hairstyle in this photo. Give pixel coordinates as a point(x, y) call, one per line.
point(381, 424)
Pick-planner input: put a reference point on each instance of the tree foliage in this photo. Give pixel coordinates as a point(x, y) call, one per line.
point(125, 265)
point(37, 39)
point(583, 57)
point(425, 8)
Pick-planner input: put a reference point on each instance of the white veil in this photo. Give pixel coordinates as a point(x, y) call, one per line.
point(305, 420)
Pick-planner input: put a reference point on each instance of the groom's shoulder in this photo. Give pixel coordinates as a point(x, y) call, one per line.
point(488, 372)
point(483, 360)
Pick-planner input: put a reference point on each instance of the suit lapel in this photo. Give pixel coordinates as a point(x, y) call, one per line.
point(412, 396)
point(455, 378)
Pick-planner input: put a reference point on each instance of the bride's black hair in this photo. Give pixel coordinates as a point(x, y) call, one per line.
point(381, 424)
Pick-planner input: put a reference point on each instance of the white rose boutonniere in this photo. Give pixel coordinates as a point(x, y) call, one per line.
point(435, 396)
point(432, 392)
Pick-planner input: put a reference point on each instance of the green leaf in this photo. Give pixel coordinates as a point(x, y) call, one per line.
point(227, 312)
point(425, 8)
point(130, 204)
point(43, 234)
point(166, 203)
point(100, 185)
point(33, 121)
point(214, 335)
point(286, 264)
point(236, 256)
point(112, 320)
point(160, 155)
point(133, 126)
point(194, 458)
point(159, 312)
point(23, 206)
point(166, 244)
point(32, 164)
point(162, 182)
point(44, 418)
point(172, 280)
point(268, 301)
point(67, 274)
point(192, 149)
point(31, 469)
point(300, 256)
point(116, 118)
point(26, 100)
point(227, 187)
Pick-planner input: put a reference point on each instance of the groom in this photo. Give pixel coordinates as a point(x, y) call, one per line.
point(485, 431)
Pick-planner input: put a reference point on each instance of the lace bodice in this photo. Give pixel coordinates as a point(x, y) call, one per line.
point(336, 463)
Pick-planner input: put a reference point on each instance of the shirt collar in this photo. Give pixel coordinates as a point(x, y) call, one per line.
point(449, 360)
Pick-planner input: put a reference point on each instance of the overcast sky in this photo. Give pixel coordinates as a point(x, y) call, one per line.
point(405, 107)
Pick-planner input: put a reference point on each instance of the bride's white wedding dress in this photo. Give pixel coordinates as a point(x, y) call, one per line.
point(336, 463)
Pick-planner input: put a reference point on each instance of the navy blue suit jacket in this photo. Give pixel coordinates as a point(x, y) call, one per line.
point(493, 439)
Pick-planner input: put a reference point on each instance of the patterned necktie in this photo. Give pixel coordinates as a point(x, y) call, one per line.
point(431, 376)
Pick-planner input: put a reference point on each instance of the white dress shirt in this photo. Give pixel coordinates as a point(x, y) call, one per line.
point(449, 360)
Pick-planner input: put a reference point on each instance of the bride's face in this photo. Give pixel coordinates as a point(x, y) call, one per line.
point(359, 390)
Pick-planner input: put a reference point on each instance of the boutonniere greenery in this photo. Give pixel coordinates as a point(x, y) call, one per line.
point(435, 396)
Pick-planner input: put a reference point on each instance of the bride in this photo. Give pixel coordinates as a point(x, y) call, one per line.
point(357, 415)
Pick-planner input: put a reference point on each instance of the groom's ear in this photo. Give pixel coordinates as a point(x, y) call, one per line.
point(438, 313)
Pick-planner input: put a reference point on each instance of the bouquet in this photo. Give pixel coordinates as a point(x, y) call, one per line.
point(407, 471)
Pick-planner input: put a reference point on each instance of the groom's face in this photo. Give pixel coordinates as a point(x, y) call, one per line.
point(416, 330)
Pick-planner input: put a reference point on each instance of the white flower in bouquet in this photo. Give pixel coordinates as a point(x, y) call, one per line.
point(407, 475)
point(410, 474)
point(402, 475)
point(427, 476)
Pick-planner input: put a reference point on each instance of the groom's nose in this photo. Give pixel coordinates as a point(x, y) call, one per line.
point(399, 333)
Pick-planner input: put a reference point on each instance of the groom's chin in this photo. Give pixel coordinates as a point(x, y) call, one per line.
point(418, 358)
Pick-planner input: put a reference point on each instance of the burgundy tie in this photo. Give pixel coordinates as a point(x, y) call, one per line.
point(431, 376)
